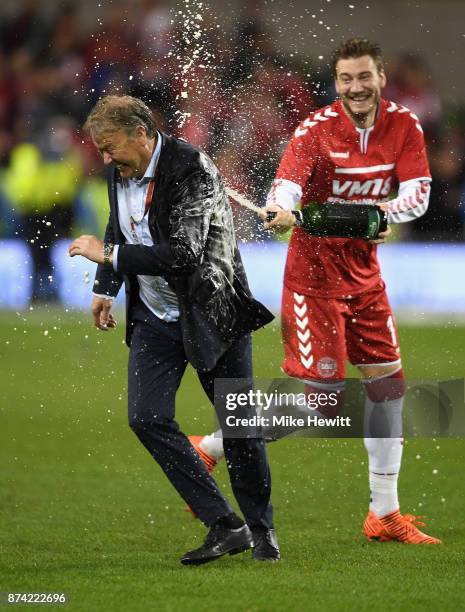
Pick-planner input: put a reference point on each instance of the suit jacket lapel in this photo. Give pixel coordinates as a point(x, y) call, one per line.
point(112, 196)
point(156, 192)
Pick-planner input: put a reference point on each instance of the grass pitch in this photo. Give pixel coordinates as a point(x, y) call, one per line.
point(85, 510)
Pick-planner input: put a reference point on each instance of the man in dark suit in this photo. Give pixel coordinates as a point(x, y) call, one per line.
point(170, 239)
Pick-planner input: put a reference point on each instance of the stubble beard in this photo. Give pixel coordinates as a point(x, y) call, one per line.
point(361, 118)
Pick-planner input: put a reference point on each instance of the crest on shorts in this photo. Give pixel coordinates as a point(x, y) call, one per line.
point(327, 367)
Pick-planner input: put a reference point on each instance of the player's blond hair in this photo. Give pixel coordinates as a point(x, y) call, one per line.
point(113, 113)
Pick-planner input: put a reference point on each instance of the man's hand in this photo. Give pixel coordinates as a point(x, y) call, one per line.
point(382, 235)
point(283, 221)
point(103, 319)
point(89, 247)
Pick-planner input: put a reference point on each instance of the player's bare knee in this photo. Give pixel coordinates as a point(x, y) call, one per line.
point(377, 370)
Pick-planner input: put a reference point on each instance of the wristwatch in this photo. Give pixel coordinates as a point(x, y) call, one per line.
point(107, 252)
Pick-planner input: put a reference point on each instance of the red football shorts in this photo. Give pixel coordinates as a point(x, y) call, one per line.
point(320, 334)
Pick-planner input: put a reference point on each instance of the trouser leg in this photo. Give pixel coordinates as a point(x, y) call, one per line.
point(156, 365)
point(246, 458)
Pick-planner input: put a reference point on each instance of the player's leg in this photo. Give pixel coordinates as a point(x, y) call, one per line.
point(383, 440)
point(373, 347)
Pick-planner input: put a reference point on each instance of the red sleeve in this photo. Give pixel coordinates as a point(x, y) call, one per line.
point(412, 162)
point(300, 156)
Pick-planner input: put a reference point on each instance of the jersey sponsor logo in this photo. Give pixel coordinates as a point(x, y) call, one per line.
point(357, 201)
point(373, 187)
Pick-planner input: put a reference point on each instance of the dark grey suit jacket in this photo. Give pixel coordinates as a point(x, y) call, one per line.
point(194, 249)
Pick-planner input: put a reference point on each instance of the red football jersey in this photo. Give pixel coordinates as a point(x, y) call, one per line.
point(332, 160)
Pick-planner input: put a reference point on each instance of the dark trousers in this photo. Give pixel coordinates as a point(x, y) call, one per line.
point(157, 362)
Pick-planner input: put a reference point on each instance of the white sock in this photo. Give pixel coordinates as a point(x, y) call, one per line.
point(384, 459)
point(384, 499)
point(384, 454)
point(213, 445)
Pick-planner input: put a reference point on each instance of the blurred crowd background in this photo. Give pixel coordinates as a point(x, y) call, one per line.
point(231, 92)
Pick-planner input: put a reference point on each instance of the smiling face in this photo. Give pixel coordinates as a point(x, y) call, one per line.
point(359, 84)
point(131, 154)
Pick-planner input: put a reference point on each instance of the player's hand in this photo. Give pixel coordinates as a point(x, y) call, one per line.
point(89, 247)
point(382, 236)
point(101, 311)
point(283, 221)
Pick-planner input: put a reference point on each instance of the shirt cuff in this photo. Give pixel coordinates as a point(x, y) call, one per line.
point(284, 194)
point(101, 295)
point(115, 257)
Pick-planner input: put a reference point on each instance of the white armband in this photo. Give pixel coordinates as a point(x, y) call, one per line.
point(105, 297)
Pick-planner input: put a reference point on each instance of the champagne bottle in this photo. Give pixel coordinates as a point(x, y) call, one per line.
point(335, 219)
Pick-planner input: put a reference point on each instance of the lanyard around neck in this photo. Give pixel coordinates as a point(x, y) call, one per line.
point(148, 199)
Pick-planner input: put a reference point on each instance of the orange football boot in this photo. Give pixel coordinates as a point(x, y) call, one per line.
point(404, 528)
point(374, 529)
point(210, 462)
point(395, 526)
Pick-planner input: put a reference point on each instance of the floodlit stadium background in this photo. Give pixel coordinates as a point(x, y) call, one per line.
point(234, 80)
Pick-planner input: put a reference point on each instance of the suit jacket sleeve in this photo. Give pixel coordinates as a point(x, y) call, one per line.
point(193, 202)
point(107, 281)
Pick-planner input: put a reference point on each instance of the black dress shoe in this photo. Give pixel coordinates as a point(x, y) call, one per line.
point(220, 541)
point(265, 545)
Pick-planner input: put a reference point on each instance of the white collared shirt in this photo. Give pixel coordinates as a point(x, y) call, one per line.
point(154, 291)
